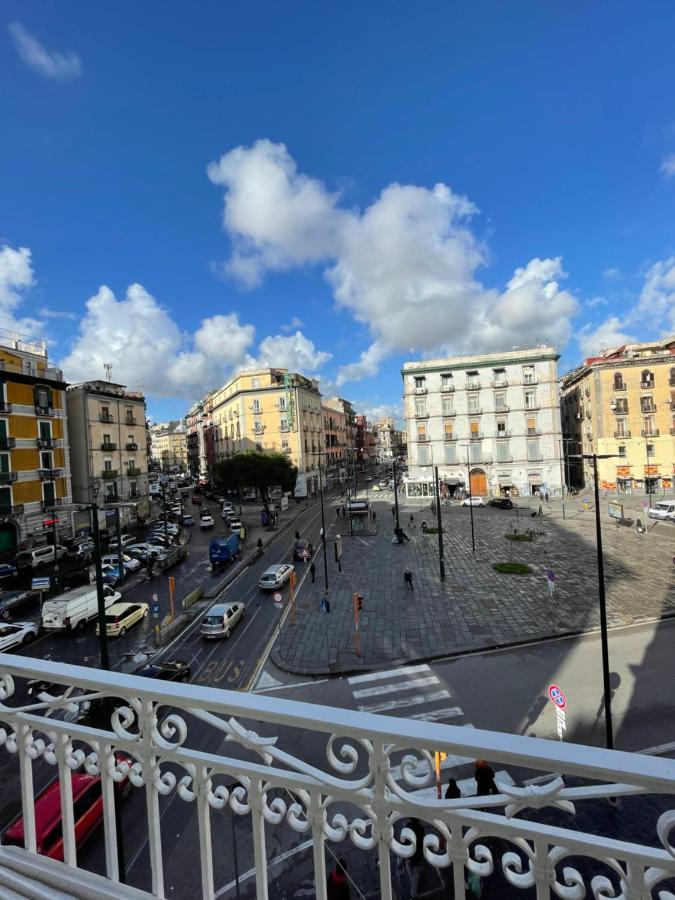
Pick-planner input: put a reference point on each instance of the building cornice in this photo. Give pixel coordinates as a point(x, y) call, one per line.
point(489, 360)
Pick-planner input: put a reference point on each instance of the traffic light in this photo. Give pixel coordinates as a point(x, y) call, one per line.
point(359, 602)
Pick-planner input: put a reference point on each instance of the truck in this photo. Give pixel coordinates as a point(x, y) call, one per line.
point(75, 608)
point(223, 550)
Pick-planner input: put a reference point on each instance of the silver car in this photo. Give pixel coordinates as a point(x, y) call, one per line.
point(275, 576)
point(221, 619)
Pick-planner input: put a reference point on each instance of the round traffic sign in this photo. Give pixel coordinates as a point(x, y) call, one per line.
point(304, 554)
point(557, 696)
point(278, 599)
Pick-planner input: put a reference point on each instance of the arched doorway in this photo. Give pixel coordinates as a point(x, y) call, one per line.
point(478, 482)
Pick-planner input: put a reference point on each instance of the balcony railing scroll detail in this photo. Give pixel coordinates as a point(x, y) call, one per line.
point(360, 780)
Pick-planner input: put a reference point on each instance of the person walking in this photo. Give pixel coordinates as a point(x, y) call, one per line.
point(424, 527)
point(393, 512)
point(338, 886)
point(407, 577)
point(485, 779)
point(312, 571)
point(452, 791)
point(412, 521)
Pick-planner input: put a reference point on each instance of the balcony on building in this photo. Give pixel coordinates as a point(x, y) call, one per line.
point(622, 434)
point(422, 437)
point(51, 504)
point(533, 432)
point(650, 432)
point(43, 411)
point(502, 408)
point(533, 404)
point(107, 418)
point(50, 474)
point(7, 443)
point(473, 384)
point(449, 436)
point(5, 407)
point(421, 415)
point(8, 477)
point(647, 385)
point(476, 435)
point(503, 433)
point(500, 383)
point(133, 446)
point(530, 379)
point(133, 471)
point(46, 443)
point(6, 509)
point(109, 473)
point(535, 457)
point(647, 407)
point(108, 447)
point(130, 420)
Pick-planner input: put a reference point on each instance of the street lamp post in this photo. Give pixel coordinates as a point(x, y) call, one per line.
point(609, 732)
point(323, 531)
point(468, 478)
point(398, 524)
point(441, 558)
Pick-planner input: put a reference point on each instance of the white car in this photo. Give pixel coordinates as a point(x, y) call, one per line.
point(473, 501)
point(18, 634)
point(206, 522)
point(275, 576)
point(664, 509)
point(130, 564)
point(39, 556)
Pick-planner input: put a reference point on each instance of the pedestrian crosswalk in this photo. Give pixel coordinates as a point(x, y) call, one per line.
point(415, 692)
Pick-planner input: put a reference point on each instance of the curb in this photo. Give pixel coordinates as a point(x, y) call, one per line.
point(469, 651)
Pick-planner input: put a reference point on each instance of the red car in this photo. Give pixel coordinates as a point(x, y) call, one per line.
point(197, 500)
point(87, 812)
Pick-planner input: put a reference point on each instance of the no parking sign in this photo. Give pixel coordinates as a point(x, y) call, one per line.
point(559, 700)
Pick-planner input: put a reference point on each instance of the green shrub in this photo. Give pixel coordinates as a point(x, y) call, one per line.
point(518, 537)
point(512, 568)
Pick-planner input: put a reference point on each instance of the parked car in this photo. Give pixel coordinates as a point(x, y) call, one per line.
point(126, 539)
point(300, 549)
point(130, 564)
point(81, 550)
point(159, 539)
point(664, 509)
point(236, 526)
point(75, 608)
point(143, 551)
point(206, 522)
point(87, 812)
point(474, 501)
point(196, 500)
point(11, 601)
point(275, 576)
point(39, 556)
point(18, 634)
point(221, 619)
point(110, 575)
point(501, 503)
point(187, 520)
point(121, 616)
point(7, 570)
point(166, 670)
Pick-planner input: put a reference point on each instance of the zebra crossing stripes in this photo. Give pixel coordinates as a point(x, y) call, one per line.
point(370, 693)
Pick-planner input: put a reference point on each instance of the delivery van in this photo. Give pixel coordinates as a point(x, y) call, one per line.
point(75, 608)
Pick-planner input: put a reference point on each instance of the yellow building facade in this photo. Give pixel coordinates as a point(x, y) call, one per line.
point(34, 461)
point(271, 410)
point(622, 404)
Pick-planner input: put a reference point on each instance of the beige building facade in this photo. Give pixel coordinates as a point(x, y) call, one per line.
point(271, 410)
point(622, 403)
point(169, 446)
point(106, 425)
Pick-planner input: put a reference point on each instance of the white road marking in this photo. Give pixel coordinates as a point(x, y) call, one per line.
point(283, 687)
point(416, 700)
point(377, 676)
point(439, 715)
point(266, 681)
point(392, 687)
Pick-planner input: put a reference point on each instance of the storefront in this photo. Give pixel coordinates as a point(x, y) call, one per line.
point(534, 483)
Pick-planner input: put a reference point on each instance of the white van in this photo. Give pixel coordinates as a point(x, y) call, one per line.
point(664, 509)
point(74, 609)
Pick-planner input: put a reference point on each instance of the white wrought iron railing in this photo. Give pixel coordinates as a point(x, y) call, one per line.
point(351, 777)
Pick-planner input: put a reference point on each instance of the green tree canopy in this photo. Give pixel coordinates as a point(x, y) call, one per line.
point(259, 470)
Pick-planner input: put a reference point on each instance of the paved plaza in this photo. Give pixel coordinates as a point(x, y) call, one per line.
point(476, 607)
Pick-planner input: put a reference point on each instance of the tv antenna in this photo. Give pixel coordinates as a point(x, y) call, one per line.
point(108, 371)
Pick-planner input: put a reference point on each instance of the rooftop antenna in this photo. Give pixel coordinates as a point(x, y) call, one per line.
point(108, 371)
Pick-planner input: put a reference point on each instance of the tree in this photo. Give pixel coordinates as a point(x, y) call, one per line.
point(258, 470)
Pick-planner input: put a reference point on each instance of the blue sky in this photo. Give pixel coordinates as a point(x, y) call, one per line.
point(189, 188)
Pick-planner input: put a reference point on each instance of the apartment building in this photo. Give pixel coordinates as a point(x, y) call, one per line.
point(492, 419)
point(169, 446)
point(202, 446)
point(335, 435)
point(108, 450)
point(622, 404)
point(275, 410)
point(34, 461)
point(389, 440)
point(365, 442)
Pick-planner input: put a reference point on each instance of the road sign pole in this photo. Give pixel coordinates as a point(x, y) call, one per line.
point(609, 732)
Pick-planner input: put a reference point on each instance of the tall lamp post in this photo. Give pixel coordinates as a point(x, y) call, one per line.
point(323, 529)
point(441, 558)
point(609, 732)
point(398, 524)
point(468, 479)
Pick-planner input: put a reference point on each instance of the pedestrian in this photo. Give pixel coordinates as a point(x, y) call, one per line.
point(393, 512)
point(338, 886)
point(297, 535)
point(424, 527)
point(541, 511)
point(485, 779)
point(546, 495)
point(374, 515)
point(337, 510)
point(412, 521)
point(260, 544)
point(638, 527)
point(312, 572)
point(407, 577)
point(452, 791)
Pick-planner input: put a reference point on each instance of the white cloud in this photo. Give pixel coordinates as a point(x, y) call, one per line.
point(293, 325)
point(16, 277)
point(612, 274)
point(377, 411)
point(606, 336)
point(406, 265)
point(656, 306)
point(224, 338)
point(47, 313)
point(51, 64)
point(295, 352)
point(668, 166)
point(597, 301)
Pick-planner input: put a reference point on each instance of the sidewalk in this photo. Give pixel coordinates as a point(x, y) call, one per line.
point(475, 607)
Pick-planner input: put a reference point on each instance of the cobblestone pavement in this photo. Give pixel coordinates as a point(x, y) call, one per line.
point(475, 607)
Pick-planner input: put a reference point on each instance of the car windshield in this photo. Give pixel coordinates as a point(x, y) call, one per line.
point(213, 620)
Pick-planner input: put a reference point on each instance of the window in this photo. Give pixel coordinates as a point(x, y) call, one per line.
point(621, 428)
point(448, 406)
point(650, 449)
point(420, 407)
point(133, 489)
point(284, 445)
point(5, 500)
point(105, 414)
point(503, 451)
point(255, 383)
point(533, 450)
point(474, 401)
point(4, 463)
point(45, 430)
point(530, 400)
point(282, 404)
point(475, 454)
point(648, 425)
point(107, 465)
point(472, 380)
point(646, 404)
point(131, 463)
point(501, 427)
point(106, 439)
point(48, 491)
point(621, 405)
point(446, 383)
point(256, 407)
point(43, 397)
point(474, 428)
point(499, 377)
point(257, 425)
point(618, 381)
point(283, 424)
point(421, 431)
point(45, 460)
point(528, 375)
point(451, 454)
point(647, 379)
point(447, 430)
point(531, 425)
point(130, 439)
point(130, 416)
point(500, 401)
point(622, 450)
point(423, 456)
point(420, 382)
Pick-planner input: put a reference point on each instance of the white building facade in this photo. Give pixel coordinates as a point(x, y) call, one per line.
point(489, 422)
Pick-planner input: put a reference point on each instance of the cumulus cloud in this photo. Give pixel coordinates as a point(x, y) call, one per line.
point(374, 412)
point(295, 352)
point(606, 336)
point(657, 298)
point(668, 166)
point(50, 63)
point(16, 277)
point(406, 265)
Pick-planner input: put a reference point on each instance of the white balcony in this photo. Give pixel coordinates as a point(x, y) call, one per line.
point(354, 779)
